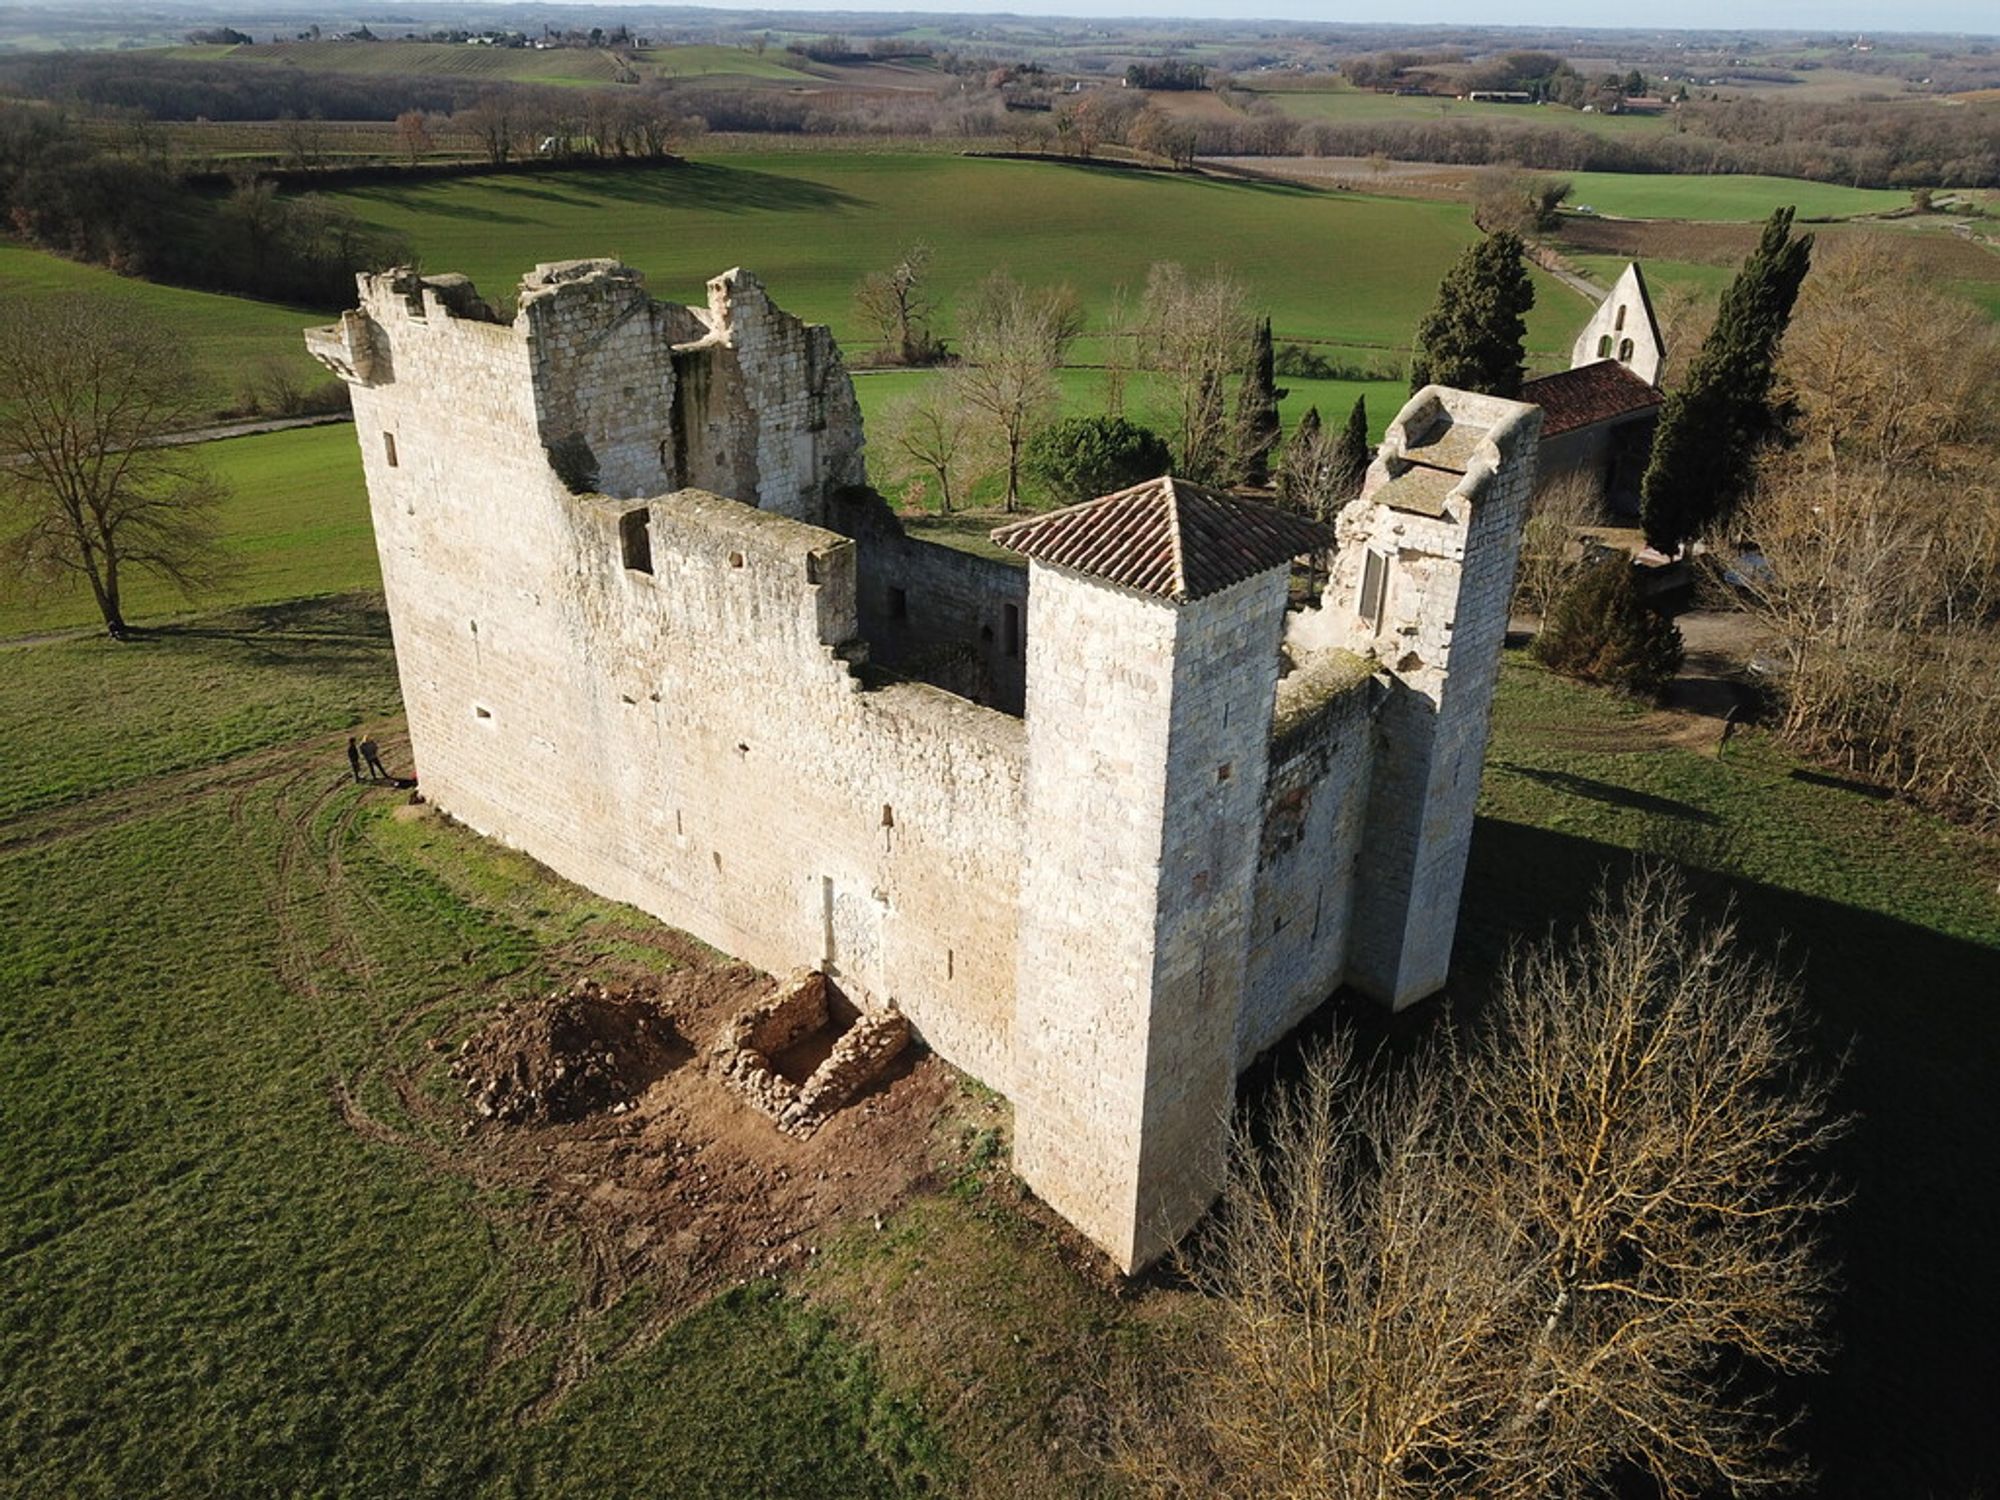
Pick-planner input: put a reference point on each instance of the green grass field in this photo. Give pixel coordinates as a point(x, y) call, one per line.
point(1634, 195)
point(296, 524)
point(1350, 270)
point(215, 1286)
point(585, 67)
point(227, 336)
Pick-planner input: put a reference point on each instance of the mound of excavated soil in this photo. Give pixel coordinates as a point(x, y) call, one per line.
point(567, 1056)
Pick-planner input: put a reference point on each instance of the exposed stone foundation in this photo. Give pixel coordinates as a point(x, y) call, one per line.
point(746, 1052)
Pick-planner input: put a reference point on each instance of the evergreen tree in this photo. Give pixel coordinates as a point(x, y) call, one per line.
point(1600, 630)
point(1473, 335)
point(1257, 426)
point(1355, 450)
point(1710, 428)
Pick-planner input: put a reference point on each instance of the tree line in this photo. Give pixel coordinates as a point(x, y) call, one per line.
point(1861, 145)
point(139, 217)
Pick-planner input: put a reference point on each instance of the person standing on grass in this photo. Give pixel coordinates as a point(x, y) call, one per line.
point(353, 759)
point(372, 753)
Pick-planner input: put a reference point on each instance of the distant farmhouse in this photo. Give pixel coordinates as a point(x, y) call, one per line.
point(1102, 826)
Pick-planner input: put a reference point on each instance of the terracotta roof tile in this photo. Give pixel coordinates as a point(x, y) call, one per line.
point(1590, 393)
point(1167, 537)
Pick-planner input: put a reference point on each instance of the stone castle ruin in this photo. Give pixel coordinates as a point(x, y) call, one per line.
point(1101, 827)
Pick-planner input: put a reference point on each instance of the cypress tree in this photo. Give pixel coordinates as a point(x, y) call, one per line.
point(1355, 450)
point(1472, 338)
point(1257, 424)
point(1600, 630)
point(1710, 428)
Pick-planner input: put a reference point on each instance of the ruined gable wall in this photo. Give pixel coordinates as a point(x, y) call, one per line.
point(602, 354)
point(778, 409)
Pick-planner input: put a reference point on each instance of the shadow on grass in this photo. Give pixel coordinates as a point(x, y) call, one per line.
point(704, 185)
point(1605, 791)
point(329, 631)
point(1906, 1406)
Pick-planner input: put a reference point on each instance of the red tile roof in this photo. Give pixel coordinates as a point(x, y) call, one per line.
point(1590, 393)
point(1168, 538)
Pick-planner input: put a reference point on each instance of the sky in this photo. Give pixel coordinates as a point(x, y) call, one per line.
point(1818, 16)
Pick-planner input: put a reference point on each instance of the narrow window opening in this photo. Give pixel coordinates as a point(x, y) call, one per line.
point(1223, 772)
point(1618, 323)
point(1625, 351)
point(716, 855)
point(812, 568)
point(899, 603)
point(635, 539)
point(1010, 622)
point(1604, 347)
point(1374, 584)
point(389, 448)
point(888, 816)
point(680, 828)
point(950, 963)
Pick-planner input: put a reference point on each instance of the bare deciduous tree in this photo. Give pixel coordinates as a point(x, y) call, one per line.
point(1194, 334)
point(932, 436)
point(1550, 550)
point(414, 131)
point(1013, 341)
point(85, 488)
point(1519, 1267)
point(898, 305)
point(1876, 538)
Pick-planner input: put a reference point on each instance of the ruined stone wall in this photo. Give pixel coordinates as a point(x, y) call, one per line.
point(946, 616)
point(1315, 806)
point(691, 740)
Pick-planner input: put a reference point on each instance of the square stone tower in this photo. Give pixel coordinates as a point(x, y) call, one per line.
point(1154, 621)
point(1421, 583)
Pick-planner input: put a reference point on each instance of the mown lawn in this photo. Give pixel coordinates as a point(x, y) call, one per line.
point(1345, 269)
point(212, 1284)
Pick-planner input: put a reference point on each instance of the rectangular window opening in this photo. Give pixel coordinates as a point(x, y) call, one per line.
point(1374, 584)
point(1010, 634)
point(899, 603)
point(635, 539)
point(389, 448)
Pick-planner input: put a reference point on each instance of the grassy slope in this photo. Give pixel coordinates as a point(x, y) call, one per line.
point(215, 1286)
point(1338, 267)
point(227, 336)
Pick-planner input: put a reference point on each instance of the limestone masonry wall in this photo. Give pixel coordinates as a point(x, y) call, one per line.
point(1096, 846)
